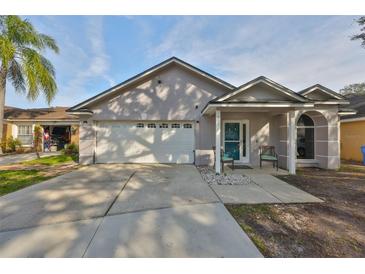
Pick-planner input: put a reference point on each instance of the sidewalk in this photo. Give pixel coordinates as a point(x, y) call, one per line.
point(15, 158)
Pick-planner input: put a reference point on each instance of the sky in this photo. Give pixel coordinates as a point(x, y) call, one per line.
point(97, 52)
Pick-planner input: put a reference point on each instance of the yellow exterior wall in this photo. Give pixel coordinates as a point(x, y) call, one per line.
point(352, 138)
point(75, 134)
point(7, 131)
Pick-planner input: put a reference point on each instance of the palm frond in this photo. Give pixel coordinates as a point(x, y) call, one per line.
point(20, 55)
point(40, 75)
point(7, 50)
point(49, 42)
point(15, 74)
point(30, 72)
point(48, 65)
point(2, 23)
point(20, 32)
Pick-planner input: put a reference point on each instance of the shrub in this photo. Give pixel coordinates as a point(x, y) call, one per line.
point(71, 149)
point(12, 144)
point(3, 145)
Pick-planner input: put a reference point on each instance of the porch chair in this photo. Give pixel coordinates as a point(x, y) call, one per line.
point(224, 158)
point(268, 154)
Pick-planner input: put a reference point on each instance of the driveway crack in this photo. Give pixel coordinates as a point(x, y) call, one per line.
point(106, 212)
point(117, 196)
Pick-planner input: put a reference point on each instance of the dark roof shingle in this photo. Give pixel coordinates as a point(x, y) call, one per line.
point(357, 102)
point(41, 114)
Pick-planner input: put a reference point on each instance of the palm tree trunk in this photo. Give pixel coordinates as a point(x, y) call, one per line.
point(2, 101)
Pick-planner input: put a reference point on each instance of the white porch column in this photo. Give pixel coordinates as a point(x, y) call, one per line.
point(218, 141)
point(292, 142)
point(338, 142)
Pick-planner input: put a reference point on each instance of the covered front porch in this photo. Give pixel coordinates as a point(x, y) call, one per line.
point(301, 136)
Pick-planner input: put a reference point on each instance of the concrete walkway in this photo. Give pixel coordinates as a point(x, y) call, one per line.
point(16, 158)
point(263, 189)
point(121, 211)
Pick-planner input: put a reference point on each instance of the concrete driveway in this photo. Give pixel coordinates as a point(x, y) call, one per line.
point(121, 211)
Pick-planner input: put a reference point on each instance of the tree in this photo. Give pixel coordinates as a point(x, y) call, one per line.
point(361, 35)
point(353, 89)
point(37, 140)
point(22, 62)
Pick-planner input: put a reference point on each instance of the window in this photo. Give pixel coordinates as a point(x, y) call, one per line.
point(305, 121)
point(163, 125)
point(187, 126)
point(140, 125)
point(151, 125)
point(305, 137)
point(25, 134)
point(175, 126)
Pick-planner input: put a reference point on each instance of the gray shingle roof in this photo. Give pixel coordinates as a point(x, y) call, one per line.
point(357, 102)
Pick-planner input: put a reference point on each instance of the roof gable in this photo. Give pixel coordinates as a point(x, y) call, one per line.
point(147, 73)
point(261, 89)
point(321, 93)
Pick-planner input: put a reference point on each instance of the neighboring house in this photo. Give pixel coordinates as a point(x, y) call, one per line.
point(175, 112)
point(353, 130)
point(62, 126)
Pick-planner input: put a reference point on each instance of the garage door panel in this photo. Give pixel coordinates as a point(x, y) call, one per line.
point(121, 142)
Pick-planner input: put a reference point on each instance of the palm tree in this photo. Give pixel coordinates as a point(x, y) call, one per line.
point(22, 63)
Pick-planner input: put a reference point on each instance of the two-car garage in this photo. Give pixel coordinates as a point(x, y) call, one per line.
point(145, 142)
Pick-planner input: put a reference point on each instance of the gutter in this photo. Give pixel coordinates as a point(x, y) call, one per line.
point(268, 105)
point(358, 119)
point(37, 121)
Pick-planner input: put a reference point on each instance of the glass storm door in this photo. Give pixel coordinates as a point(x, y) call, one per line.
point(235, 143)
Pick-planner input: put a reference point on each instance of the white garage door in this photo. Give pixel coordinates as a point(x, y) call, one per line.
point(145, 142)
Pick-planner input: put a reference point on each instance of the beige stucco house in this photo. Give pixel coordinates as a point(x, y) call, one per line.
point(175, 113)
point(62, 126)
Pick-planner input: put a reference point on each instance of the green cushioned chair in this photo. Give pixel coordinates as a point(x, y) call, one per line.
point(268, 154)
point(224, 158)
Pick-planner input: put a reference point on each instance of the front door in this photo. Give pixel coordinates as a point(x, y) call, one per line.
point(236, 140)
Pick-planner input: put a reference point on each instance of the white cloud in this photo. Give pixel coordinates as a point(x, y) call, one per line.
point(82, 59)
point(96, 63)
point(295, 53)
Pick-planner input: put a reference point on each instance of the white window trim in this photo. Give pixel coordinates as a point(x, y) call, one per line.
point(314, 138)
point(242, 160)
point(31, 133)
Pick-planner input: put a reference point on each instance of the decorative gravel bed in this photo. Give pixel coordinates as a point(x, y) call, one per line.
point(209, 176)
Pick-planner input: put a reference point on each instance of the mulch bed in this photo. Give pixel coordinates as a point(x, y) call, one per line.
point(209, 176)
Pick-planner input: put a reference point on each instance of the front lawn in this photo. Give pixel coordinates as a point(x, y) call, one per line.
point(51, 160)
point(17, 176)
point(12, 180)
point(334, 228)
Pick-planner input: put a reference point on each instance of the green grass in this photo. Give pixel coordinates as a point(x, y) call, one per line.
point(257, 239)
point(241, 213)
point(12, 180)
point(51, 160)
point(246, 210)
